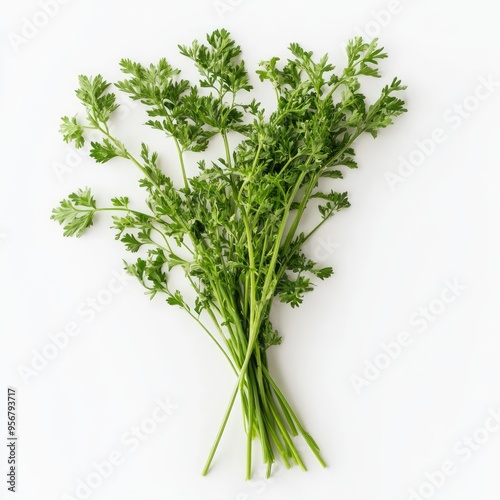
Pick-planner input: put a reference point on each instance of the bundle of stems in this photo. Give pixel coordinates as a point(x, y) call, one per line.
point(235, 228)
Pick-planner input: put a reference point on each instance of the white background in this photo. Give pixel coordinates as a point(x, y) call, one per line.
point(392, 252)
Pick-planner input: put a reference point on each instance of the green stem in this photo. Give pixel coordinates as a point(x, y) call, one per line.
point(309, 440)
point(264, 430)
point(250, 434)
point(254, 330)
point(277, 243)
point(287, 438)
point(181, 161)
point(213, 338)
point(253, 337)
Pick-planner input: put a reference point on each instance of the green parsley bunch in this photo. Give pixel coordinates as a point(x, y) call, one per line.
point(235, 228)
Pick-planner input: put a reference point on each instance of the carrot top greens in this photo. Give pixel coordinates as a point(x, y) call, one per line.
point(236, 227)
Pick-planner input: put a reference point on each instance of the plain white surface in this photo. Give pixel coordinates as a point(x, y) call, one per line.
point(392, 252)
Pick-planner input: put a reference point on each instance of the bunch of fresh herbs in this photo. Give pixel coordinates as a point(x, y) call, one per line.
point(234, 228)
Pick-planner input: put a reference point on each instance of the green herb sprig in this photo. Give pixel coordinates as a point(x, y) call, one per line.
point(235, 228)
